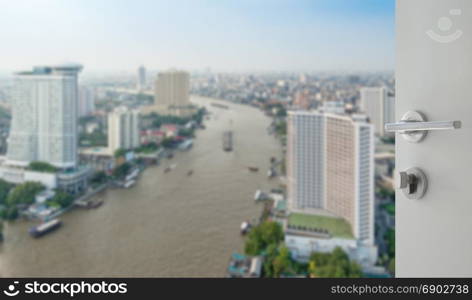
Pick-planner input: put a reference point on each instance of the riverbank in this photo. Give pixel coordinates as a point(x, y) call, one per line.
point(168, 224)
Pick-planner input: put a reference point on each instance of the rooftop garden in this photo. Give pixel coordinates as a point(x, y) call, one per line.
point(337, 227)
point(41, 166)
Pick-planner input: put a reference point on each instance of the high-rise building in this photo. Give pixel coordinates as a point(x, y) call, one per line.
point(141, 78)
point(330, 168)
point(172, 88)
point(123, 129)
point(172, 94)
point(378, 106)
point(301, 100)
point(389, 110)
point(44, 116)
point(86, 101)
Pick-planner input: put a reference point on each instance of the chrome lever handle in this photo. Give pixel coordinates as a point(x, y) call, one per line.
point(405, 126)
point(414, 127)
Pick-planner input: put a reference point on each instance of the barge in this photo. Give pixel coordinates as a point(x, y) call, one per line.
point(228, 141)
point(44, 228)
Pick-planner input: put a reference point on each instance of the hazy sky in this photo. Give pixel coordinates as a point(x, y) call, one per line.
point(236, 35)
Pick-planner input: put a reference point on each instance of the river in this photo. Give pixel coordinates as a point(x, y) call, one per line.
point(169, 224)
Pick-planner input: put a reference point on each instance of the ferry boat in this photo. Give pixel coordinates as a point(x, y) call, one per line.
point(245, 227)
point(169, 168)
point(44, 228)
point(258, 195)
point(219, 105)
point(129, 184)
point(94, 204)
point(133, 175)
point(227, 140)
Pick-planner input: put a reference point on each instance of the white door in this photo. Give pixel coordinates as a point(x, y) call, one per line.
point(434, 77)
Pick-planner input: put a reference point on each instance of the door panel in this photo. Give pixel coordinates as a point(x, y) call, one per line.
point(434, 77)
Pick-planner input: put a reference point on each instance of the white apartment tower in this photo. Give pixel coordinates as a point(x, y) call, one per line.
point(44, 116)
point(330, 168)
point(378, 106)
point(141, 78)
point(123, 129)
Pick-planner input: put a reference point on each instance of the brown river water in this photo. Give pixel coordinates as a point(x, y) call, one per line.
point(168, 224)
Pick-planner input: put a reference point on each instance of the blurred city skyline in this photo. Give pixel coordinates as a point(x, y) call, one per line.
point(243, 36)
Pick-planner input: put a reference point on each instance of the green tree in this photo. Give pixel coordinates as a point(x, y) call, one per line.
point(283, 166)
point(390, 240)
point(42, 166)
point(282, 263)
point(167, 142)
point(334, 264)
point(98, 177)
point(5, 188)
point(281, 111)
point(10, 213)
point(281, 128)
point(24, 193)
point(198, 117)
point(120, 152)
point(263, 235)
point(62, 198)
point(271, 254)
point(386, 193)
point(185, 132)
point(391, 266)
point(122, 170)
point(312, 267)
point(147, 148)
point(97, 138)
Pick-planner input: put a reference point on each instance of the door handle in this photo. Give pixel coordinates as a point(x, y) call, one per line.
point(414, 127)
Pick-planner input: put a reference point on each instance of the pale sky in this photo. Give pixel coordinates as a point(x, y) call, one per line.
point(236, 35)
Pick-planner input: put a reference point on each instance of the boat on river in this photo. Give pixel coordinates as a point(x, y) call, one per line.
point(129, 183)
point(95, 204)
point(44, 228)
point(227, 140)
point(245, 227)
point(170, 168)
point(218, 105)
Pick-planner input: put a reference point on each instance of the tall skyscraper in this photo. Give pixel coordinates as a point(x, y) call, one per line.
point(172, 88)
point(330, 168)
point(172, 94)
point(86, 101)
point(141, 78)
point(123, 129)
point(44, 116)
point(378, 106)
